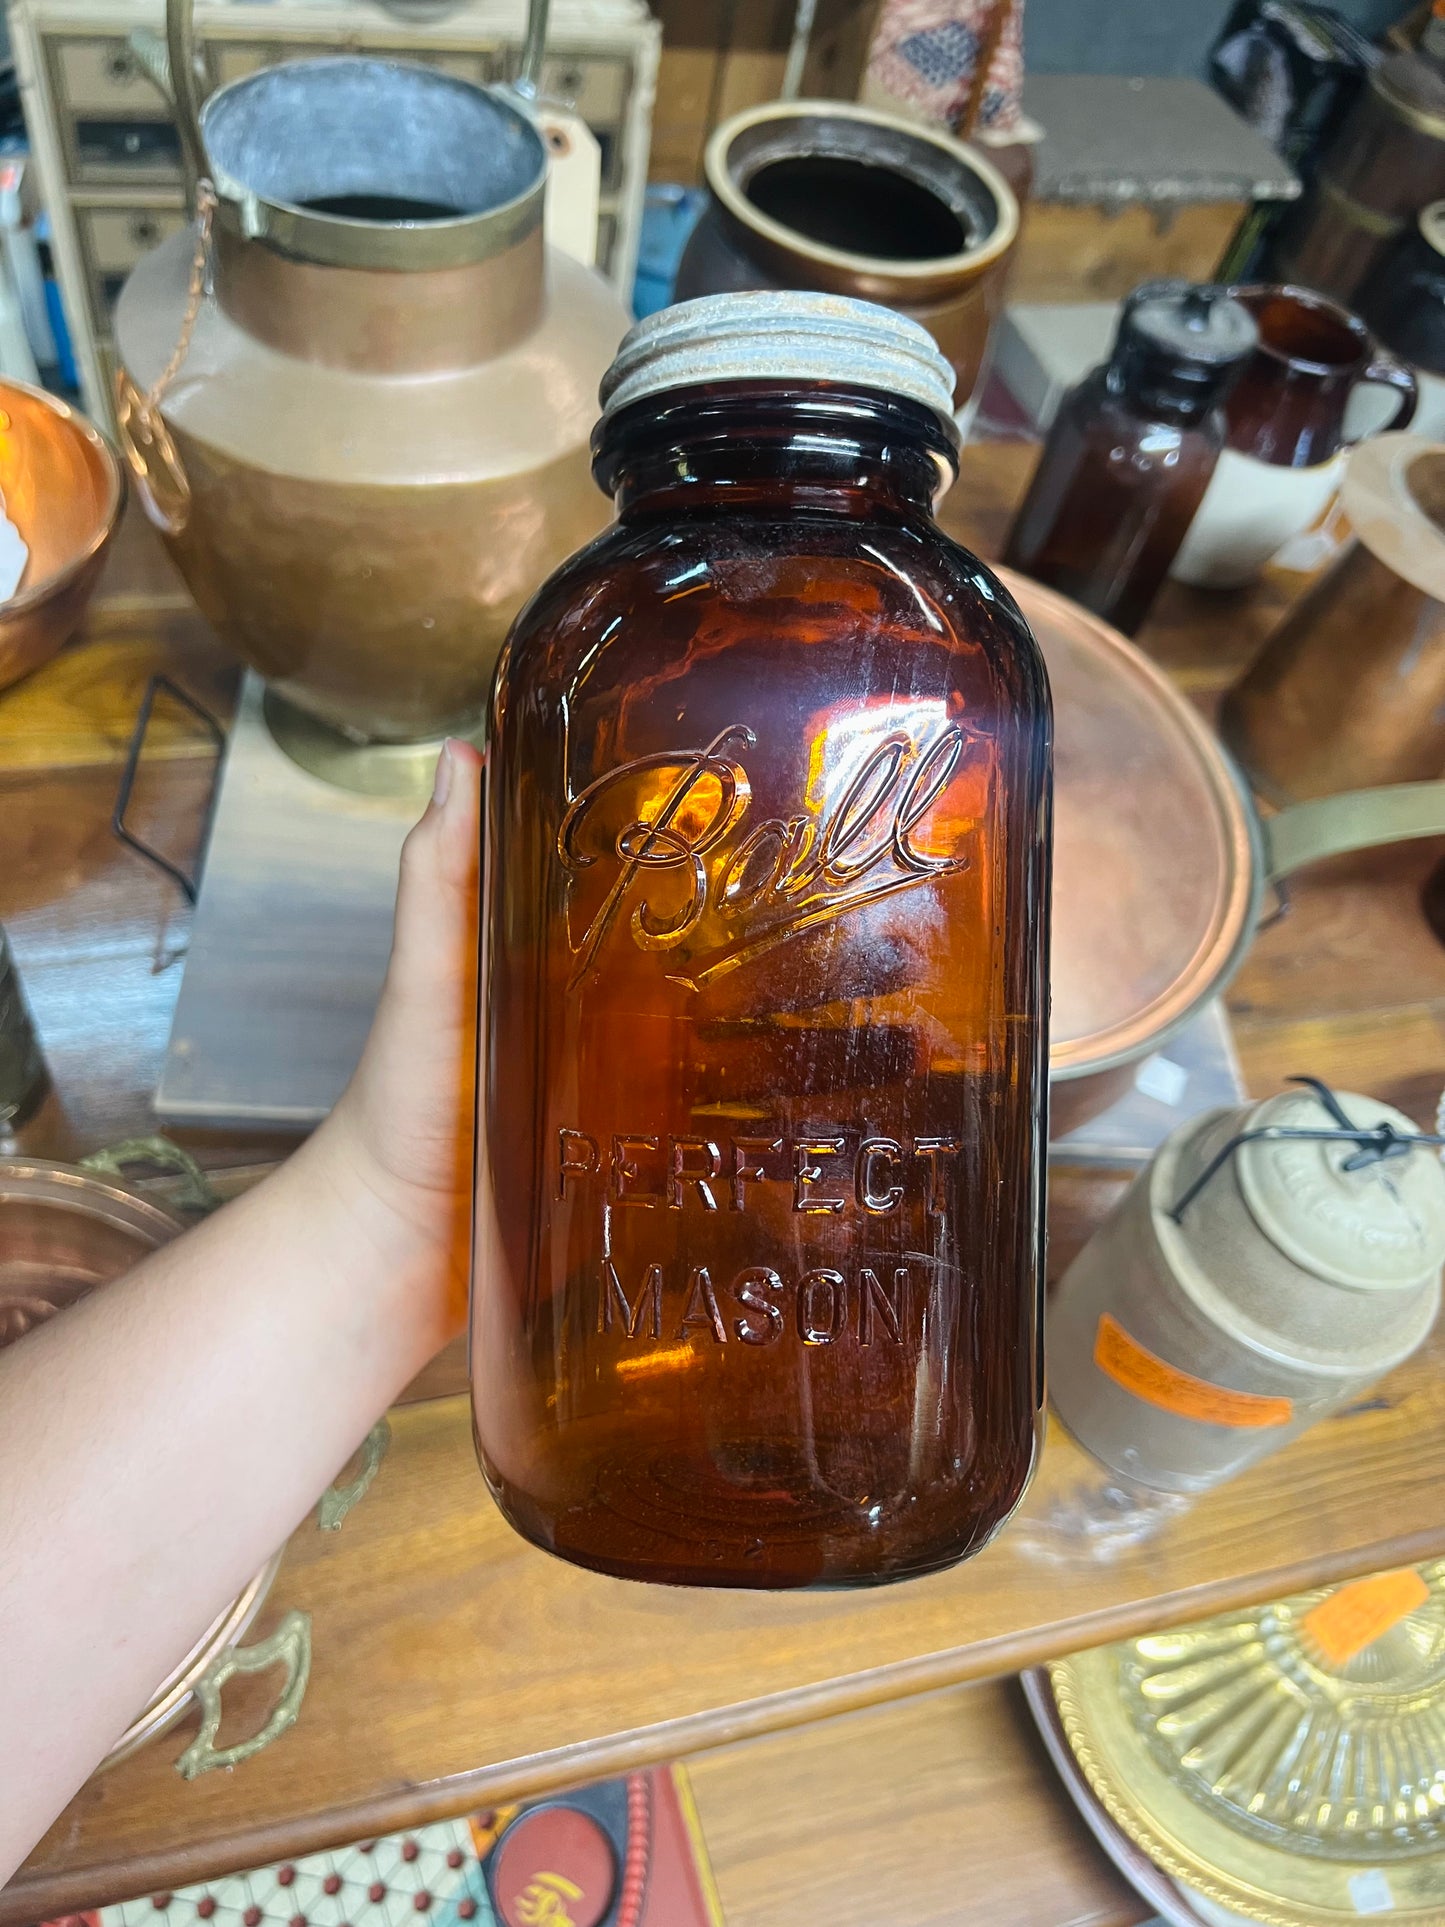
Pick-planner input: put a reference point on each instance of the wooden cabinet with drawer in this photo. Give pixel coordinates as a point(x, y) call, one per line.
point(232, 59)
point(113, 238)
point(108, 156)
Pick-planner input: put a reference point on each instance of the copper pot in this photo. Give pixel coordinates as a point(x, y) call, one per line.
point(375, 444)
point(64, 490)
point(1350, 688)
point(850, 200)
point(1161, 862)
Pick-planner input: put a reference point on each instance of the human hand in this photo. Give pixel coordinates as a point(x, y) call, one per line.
point(399, 1144)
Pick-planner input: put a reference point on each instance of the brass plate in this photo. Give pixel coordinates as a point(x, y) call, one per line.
point(1286, 1787)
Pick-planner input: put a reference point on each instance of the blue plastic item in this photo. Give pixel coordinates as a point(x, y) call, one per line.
point(669, 215)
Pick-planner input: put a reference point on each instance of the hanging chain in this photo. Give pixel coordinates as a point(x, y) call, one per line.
point(195, 295)
point(150, 452)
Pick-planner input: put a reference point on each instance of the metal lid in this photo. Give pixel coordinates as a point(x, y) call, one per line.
point(784, 336)
point(1201, 327)
point(1381, 1227)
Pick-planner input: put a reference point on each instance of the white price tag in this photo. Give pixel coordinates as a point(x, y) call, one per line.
point(14, 554)
point(1162, 1079)
point(1370, 1892)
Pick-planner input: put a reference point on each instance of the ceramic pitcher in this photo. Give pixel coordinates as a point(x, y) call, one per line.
point(1290, 424)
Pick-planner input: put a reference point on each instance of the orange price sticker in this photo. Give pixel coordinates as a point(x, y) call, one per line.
point(1355, 1616)
point(1157, 1382)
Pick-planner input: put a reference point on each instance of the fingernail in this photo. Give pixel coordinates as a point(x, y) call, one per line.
point(441, 789)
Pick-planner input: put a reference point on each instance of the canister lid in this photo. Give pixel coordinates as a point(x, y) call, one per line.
point(786, 335)
point(1380, 1227)
point(1394, 496)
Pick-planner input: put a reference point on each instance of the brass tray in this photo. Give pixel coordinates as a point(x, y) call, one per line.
point(1270, 1761)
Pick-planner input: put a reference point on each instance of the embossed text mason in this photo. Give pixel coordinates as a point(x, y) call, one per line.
point(764, 982)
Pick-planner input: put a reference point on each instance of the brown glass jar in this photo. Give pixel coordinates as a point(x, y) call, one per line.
point(1131, 451)
point(759, 1247)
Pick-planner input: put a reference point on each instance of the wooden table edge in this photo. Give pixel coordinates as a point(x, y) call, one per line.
point(80, 1889)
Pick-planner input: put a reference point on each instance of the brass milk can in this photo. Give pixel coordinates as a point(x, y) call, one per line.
point(356, 394)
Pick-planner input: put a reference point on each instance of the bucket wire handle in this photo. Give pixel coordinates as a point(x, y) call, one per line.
point(149, 448)
point(529, 75)
point(181, 45)
point(1374, 1143)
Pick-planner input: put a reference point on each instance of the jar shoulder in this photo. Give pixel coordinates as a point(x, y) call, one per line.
point(658, 600)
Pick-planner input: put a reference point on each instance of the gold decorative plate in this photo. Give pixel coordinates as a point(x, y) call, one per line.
point(1286, 1762)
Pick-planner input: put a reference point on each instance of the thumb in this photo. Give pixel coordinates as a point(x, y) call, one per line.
point(436, 902)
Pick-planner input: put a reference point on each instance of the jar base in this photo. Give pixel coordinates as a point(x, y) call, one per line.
point(665, 1522)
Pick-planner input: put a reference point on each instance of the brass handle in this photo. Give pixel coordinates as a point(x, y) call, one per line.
point(337, 1500)
point(152, 458)
point(1356, 820)
point(199, 1194)
point(289, 1645)
point(151, 57)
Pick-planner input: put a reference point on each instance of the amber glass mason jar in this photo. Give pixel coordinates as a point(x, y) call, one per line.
point(764, 983)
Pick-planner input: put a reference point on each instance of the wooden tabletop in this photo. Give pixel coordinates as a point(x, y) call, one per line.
point(455, 1664)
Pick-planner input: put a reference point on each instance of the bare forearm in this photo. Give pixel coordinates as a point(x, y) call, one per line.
point(159, 1442)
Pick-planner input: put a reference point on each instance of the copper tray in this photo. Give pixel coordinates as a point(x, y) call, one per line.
point(1161, 862)
point(63, 1232)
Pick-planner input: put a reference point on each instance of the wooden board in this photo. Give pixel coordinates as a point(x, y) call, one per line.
point(1072, 252)
point(941, 1812)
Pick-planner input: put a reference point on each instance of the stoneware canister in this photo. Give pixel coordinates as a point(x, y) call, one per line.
point(1182, 1351)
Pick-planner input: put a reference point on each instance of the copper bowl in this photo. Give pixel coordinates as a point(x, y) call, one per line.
point(64, 489)
point(63, 1232)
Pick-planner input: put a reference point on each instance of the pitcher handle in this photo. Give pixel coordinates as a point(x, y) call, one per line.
point(1390, 372)
point(1356, 820)
point(181, 45)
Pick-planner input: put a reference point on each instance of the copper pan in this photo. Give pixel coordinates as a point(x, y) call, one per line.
point(64, 1231)
point(1161, 861)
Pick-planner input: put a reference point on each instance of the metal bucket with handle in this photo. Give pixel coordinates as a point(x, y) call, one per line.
point(356, 395)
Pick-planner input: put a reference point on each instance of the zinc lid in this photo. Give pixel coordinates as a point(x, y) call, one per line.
point(1379, 1227)
point(784, 335)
